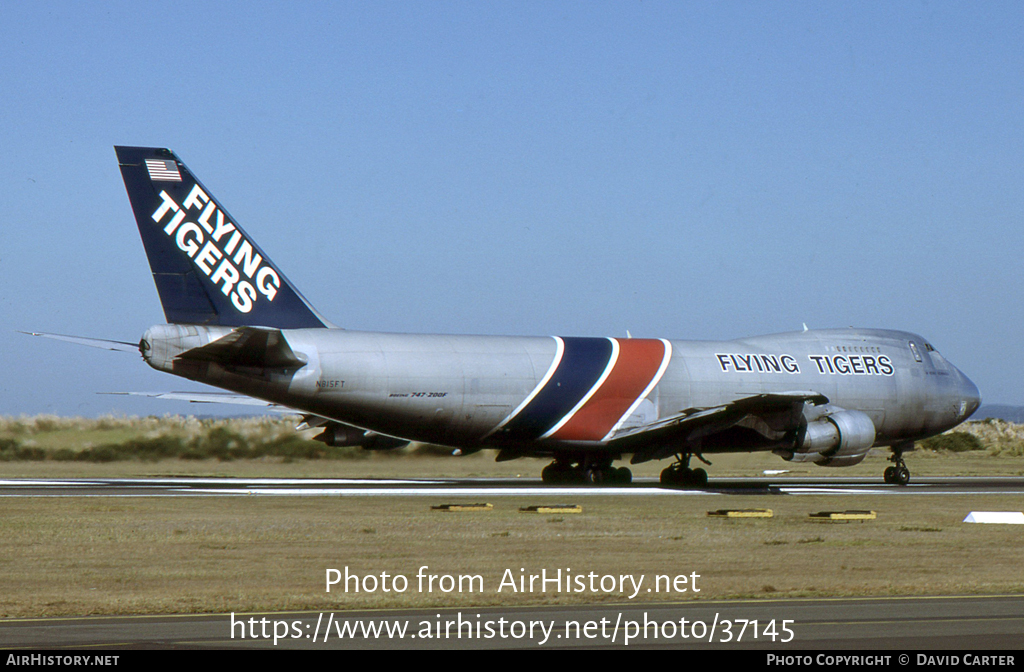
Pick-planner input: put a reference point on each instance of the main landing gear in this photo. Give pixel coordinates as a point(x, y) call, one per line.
point(680, 473)
point(597, 473)
point(898, 474)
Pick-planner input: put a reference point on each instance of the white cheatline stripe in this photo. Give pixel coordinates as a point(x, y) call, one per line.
point(600, 381)
point(49, 483)
point(854, 490)
point(247, 482)
point(654, 381)
point(442, 492)
point(559, 351)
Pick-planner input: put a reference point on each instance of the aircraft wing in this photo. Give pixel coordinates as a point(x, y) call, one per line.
point(773, 414)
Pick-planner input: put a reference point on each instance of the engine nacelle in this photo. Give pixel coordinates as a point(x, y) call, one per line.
point(340, 436)
point(837, 438)
point(844, 461)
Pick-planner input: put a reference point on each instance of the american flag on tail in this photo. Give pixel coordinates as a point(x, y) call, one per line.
point(163, 171)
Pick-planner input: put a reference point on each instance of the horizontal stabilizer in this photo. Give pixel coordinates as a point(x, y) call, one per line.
point(104, 344)
point(309, 421)
point(248, 347)
point(211, 398)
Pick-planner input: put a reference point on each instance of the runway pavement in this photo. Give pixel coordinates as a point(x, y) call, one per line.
point(491, 487)
point(964, 623)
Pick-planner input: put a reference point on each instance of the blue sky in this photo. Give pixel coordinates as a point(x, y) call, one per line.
point(684, 170)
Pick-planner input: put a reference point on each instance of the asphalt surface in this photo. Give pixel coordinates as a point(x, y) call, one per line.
point(964, 623)
point(495, 487)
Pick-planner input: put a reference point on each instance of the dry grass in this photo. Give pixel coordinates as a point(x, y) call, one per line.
point(68, 556)
point(998, 436)
point(71, 556)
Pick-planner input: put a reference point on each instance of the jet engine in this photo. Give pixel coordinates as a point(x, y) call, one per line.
point(338, 435)
point(833, 437)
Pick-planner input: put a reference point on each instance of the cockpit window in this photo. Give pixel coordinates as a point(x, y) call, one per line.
point(913, 349)
point(928, 347)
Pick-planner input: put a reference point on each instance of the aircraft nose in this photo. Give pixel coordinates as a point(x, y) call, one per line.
point(970, 397)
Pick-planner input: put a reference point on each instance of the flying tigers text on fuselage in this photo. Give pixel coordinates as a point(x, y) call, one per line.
point(843, 365)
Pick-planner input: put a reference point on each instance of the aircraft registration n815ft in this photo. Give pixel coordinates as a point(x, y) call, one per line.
point(235, 321)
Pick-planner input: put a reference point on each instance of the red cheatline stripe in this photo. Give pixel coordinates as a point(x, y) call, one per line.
point(639, 361)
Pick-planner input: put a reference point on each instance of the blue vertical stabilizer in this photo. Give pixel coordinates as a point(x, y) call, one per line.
point(207, 270)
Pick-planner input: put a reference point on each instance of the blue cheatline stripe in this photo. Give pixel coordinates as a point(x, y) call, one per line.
point(583, 362)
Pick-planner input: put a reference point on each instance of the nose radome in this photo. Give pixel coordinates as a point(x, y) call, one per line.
point(970, 397)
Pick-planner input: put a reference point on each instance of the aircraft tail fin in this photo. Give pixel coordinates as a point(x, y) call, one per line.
point(207, 270)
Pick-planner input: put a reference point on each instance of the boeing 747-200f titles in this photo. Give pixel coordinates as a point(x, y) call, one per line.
point(234, 321)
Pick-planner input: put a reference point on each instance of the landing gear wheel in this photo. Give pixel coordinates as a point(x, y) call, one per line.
point(670, 475)
point(898, 474)
point(680, 475)
point(560, 473)
point(606, 474)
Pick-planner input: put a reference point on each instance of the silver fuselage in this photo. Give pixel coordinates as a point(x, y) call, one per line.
point(458, 390)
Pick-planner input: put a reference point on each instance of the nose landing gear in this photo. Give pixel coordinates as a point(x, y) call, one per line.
point(898, 474)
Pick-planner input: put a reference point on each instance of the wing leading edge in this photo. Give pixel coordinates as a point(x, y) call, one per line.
point(773, 416)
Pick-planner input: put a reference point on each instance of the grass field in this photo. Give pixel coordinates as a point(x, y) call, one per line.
point(69, 556)
point(76, 556)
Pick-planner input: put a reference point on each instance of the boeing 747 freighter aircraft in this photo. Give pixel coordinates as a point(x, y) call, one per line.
point(235, 321)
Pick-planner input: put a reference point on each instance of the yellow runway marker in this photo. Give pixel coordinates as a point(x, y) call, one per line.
point(463, 507)
point(553, 508)
point(843, 515)
point(741, 513)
